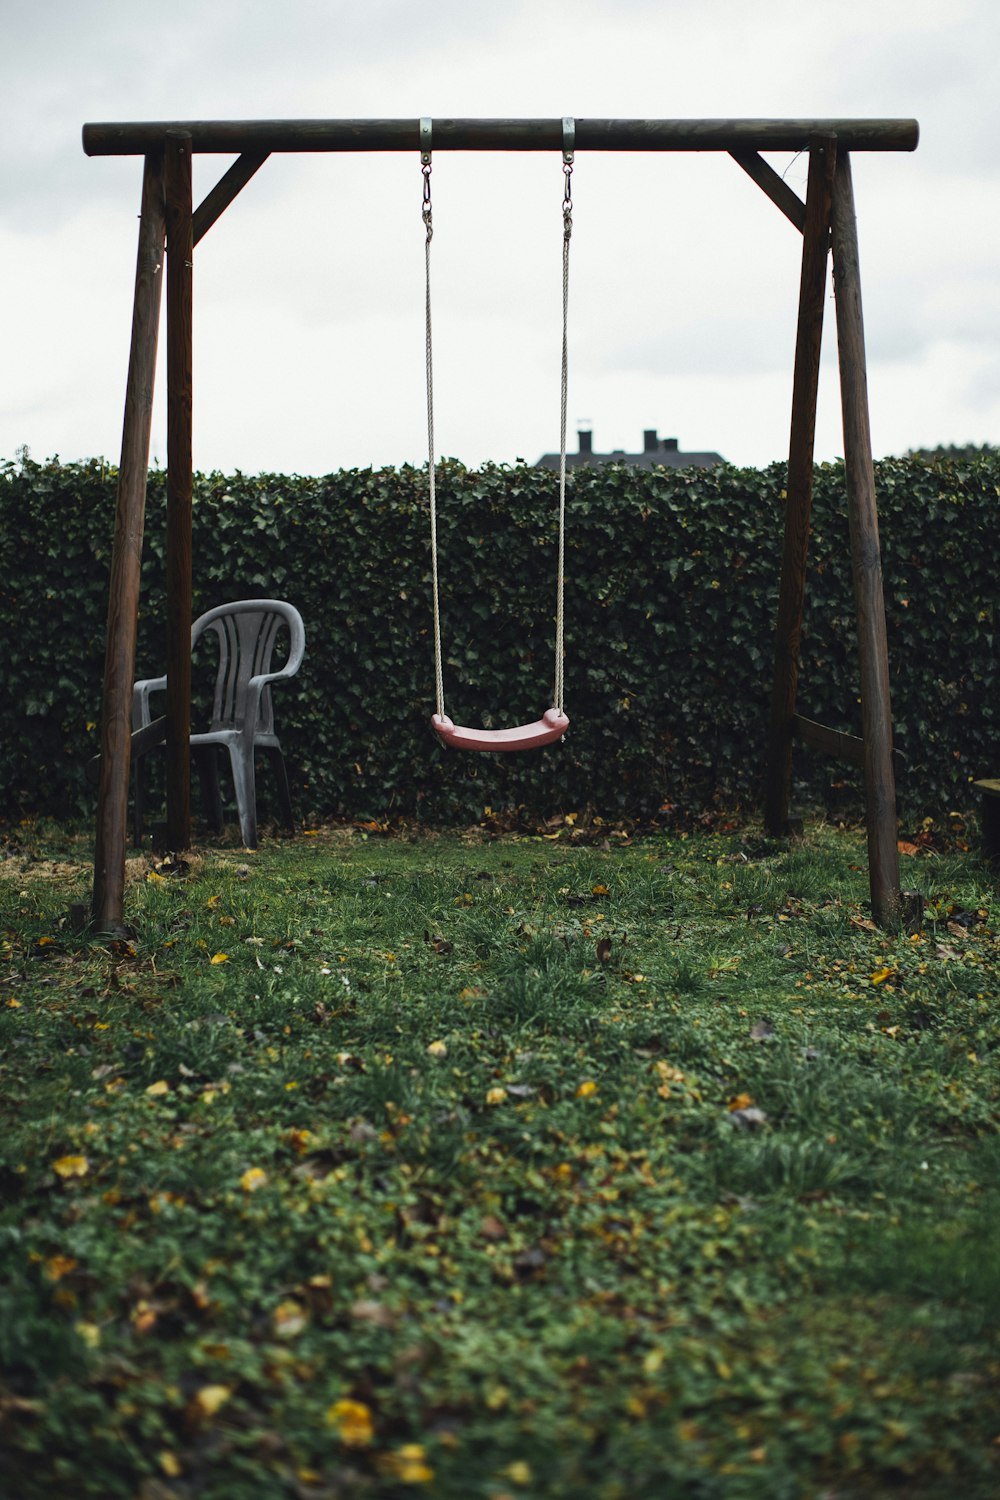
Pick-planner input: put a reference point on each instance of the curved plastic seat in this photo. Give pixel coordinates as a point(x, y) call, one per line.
point(544, 731)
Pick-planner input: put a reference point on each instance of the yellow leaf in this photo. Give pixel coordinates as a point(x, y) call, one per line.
point(89, 1333)
point(519, 1472)
point(170, 1464)
point(598, 890)
point(881, 975)
point(741, 1101)
point(586, 1088)
point(71, 1166)
point(58, 1266)
point(158, 1089)
point(353, 1422)
point(211, 1398)
point(143, 1317)
point(220, 958)
point(289, 1319)
point(252, 1179)
point(496, 1096)
point(153, 875)
point(437, 1049)
point(409, 1466)
point(213, 902)
point(668, 1072)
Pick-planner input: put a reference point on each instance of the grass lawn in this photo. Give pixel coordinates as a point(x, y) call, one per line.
point(499, 1169)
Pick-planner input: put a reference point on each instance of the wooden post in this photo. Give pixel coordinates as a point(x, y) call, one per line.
point(177, 188)
point(126, 559)
point(799, 484)
point(866, 561)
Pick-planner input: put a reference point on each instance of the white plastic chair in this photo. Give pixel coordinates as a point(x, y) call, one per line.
point(242, 713)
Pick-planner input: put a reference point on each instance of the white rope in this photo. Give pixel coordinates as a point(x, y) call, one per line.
point(429, 368)
point(557, 688)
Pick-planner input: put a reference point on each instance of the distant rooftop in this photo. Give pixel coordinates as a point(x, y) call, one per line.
point(655, 451)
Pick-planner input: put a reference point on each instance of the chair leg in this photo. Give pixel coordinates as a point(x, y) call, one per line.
point(207, 761)
point(241, 759)
point(138, 799)
point(284, 791)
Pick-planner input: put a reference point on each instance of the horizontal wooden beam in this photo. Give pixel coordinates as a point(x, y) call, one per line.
point(137, 138)
point(849, 748)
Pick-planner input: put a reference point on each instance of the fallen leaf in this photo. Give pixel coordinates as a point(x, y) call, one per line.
point(71, 1166)
point(289, 1319)
point(353, 1421)
point(252, 1179)
point(58, 1266)
point(211, 1398)
point(747, 1119)
point(367, 1310)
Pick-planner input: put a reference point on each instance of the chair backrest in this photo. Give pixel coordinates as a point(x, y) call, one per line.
point(247, 631)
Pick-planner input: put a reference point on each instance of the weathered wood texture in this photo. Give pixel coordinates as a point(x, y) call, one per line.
point(866, 560)
point(180, 249)
point(126, 558)
point(233, 182)
point(134, 138)
point(798, 503)
point(776, 188)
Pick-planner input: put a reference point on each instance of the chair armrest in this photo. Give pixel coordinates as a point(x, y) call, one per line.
point(141, 713)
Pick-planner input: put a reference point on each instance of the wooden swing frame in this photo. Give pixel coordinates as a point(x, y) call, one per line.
point(168, 220)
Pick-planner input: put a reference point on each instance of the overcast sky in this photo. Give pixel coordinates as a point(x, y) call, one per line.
point(308, 292)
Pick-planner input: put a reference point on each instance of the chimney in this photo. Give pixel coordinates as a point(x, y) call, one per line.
point(650, 441)
point(670, 445)
point(586, 441)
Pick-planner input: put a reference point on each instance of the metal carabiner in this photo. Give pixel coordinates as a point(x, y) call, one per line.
point(425, 167)
point(569, 143)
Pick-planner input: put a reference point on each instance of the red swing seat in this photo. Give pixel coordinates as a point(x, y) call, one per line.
point(544, 731)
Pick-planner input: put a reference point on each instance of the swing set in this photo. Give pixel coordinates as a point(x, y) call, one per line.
point(169, 221)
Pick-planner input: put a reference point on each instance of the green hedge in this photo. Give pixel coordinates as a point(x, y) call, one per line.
point(672, 585)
